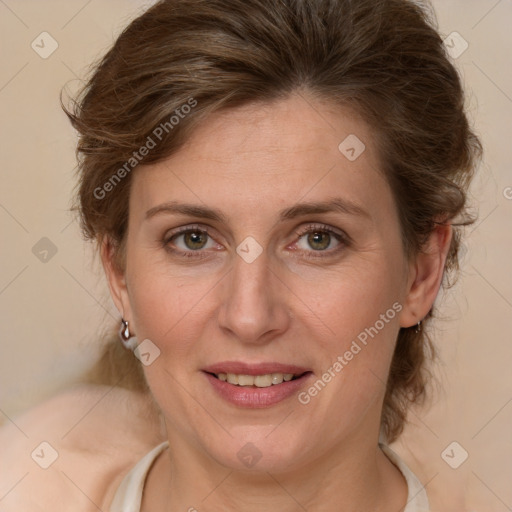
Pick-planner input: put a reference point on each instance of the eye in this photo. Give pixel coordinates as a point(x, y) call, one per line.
point(320, 239)
point(317, 240)
point(187, 240)
point(193, 240)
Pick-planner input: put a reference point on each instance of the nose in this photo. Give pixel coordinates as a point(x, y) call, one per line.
point(253, 308)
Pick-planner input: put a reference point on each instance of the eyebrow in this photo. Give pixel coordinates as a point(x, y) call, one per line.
point(336, 204)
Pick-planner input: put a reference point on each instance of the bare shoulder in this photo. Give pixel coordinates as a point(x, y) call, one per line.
point(72, 451)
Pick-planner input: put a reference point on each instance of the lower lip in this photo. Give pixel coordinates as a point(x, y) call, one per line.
point(253, 397)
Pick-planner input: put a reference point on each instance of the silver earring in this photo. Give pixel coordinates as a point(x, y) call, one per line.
point(418, 327)
point(129, 341)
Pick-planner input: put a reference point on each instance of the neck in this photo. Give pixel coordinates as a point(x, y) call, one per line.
point(358, 477)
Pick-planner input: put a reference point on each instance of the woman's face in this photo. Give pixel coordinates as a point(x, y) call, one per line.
point(260, 248)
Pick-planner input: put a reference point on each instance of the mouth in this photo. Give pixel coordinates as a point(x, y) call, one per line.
point(257, 381)
point(256, 385)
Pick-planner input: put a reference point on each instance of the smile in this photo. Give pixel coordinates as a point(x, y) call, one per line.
point(256, 385)
point(259, 381)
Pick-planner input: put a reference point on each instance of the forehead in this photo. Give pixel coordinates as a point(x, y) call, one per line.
point(269, 155)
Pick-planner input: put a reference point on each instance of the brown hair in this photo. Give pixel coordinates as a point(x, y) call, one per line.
point(383, 58)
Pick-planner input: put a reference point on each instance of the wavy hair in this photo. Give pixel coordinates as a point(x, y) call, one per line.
point(385, 59)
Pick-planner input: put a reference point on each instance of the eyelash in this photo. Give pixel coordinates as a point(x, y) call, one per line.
point(342, 238)
point(181, 231)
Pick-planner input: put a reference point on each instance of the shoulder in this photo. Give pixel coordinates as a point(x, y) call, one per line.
point(72, 451)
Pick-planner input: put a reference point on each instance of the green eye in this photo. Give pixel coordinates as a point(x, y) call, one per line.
point(190, 240)
point(195, 240)
point(319, 240)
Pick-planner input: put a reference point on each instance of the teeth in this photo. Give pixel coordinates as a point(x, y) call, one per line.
point(232, 378)
point(263, 381)
point(245, 380)
point(277, 378)
point(260, 381)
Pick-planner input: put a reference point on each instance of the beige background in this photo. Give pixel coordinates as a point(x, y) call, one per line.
point(52, 312)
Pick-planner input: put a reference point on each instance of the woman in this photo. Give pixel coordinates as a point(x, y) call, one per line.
point(273, 188)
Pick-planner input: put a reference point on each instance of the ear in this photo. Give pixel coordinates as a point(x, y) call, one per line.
point(116, 278)
point(425, 276)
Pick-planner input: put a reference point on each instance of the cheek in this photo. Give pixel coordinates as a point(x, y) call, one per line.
point(358, 309)
point(354, 357)
point(167, 307)
point(351, 298)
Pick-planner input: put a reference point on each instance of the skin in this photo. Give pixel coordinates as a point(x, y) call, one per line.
point(250, 164)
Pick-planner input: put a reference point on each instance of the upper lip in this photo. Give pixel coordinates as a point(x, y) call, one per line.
point(240, 368)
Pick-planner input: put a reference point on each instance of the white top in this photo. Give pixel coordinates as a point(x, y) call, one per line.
point(128, 496)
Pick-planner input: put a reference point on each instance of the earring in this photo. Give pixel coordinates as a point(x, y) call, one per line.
point(418, 327)
point(129, 341)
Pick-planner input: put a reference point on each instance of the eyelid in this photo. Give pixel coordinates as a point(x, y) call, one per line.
point(340, 235)
point(181, 230)
point(308, 228)
point(186, 229)
point(343, 239)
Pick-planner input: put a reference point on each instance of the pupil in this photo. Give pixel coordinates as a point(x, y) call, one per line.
point(318, 240)
point(195, 240)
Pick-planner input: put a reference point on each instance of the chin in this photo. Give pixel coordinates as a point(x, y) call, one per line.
point(257, 452)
